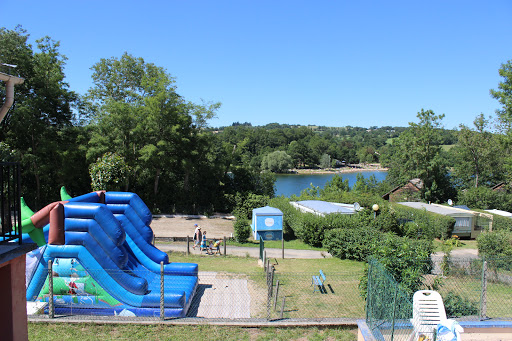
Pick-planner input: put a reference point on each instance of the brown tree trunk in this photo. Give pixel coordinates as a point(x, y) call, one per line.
point(157, 178)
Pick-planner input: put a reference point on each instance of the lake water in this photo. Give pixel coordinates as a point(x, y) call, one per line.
point(288, 184)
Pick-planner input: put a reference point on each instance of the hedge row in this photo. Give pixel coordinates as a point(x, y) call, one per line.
point(415, 223)
point(399, 219)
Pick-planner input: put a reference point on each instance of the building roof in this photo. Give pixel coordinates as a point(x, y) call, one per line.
point(500, 212)
point(323, 207)
point(267, 210)
point(439, 209)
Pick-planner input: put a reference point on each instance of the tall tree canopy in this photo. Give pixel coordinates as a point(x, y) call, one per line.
point(504, 94)
point(416, 153)
point(478, 156)
point(39, 125)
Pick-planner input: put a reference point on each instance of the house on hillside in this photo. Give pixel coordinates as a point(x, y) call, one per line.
point(467, 223)
point(408, 192)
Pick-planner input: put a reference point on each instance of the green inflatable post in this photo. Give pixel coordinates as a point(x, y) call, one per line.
point(64, 194)
point(35, 234)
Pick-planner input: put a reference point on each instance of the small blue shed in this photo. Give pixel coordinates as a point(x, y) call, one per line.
point(267, 222)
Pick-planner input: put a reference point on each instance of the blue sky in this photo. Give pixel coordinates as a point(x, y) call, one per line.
point(333, 63)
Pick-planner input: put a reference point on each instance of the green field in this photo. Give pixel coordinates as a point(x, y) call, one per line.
point(342, 298)
point(295, 244)
point(94, 332)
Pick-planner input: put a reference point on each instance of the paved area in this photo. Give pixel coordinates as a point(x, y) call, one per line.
point(253, 252)
point(221, 297)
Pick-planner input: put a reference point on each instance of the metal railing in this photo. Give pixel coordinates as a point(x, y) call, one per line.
point(10, 202)
point(471, 289)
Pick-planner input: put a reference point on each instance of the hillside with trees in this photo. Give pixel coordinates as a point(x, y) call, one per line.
point(133, 131)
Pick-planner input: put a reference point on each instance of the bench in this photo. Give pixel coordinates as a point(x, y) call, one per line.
point(318, 282)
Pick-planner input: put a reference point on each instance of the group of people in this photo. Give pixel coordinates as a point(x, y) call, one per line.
point(201, 241)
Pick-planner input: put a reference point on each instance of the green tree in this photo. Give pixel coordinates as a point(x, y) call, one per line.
point(325, 161)
point(416, 153)
point(504, 95)
point(108, 173)
point(137, 112)
point(478, 156)
point(42, 110)
point(277, 162)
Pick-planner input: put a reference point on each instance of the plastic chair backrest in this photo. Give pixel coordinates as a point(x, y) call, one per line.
point(428, 311)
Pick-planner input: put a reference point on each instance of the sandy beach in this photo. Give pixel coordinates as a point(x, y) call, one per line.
point(352, 168)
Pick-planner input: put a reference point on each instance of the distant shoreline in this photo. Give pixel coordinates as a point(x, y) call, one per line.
point(352, 168)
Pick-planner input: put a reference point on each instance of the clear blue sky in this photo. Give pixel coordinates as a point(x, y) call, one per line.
point(333, 63)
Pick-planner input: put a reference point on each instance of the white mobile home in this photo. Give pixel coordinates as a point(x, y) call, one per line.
point(467, 223)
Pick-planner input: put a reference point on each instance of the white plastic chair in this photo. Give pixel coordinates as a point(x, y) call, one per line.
point(428, 311)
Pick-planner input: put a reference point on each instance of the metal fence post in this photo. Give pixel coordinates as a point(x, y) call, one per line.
point(277, 294)
point(394, 313)
point(282, 307)
point(272, 269)
point(483, 298)
point(269, 294)
point(282, 247)
point(188, 246)
point(51, 307)
point(368, 290)
point(162, 308)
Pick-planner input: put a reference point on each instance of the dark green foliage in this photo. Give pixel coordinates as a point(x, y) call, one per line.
point(496, 247)
point(405, 260)
point(355, 243)
point(457, 306)
point(242, 230)
point(501, 223)
point(415, 223)
point(291, 216)
point(485, 198)
point(245, 204)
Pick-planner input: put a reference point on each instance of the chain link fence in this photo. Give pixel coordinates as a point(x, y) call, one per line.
point(471, 289)
point(264, 296)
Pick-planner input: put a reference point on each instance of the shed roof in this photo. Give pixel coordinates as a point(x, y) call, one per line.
point(267, 210)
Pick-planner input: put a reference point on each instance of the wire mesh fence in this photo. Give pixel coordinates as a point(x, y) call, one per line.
point(263, 295)
point(470, 289)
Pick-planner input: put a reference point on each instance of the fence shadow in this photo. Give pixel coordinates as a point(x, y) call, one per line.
point(196, 301)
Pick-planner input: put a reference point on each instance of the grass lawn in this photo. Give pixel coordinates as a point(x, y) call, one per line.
point(94, 332)
point(277, 244)
point(465, 244)
point(342, 298)
point(250, 265)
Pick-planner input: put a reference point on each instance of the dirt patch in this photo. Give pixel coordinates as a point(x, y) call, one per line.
point(184, 226)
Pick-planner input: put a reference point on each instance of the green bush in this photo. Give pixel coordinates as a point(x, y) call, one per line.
point(242, 230)
point(501, 223)
point(415, 223)
point(352, 243)
point(485, 198)
point(291, 216)
point(405, 259)
point(497, 248)
point(457, 306)
point(245, 204)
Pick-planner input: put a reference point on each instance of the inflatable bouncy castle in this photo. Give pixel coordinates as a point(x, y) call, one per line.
point(104, 263)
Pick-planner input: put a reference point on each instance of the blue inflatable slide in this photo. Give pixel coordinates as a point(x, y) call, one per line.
point(104, 262)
